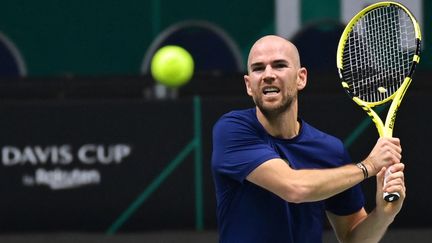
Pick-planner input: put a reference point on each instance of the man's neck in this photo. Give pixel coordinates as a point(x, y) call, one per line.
point(284, 125)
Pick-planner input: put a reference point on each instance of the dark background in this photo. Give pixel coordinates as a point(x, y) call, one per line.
point(158, 130)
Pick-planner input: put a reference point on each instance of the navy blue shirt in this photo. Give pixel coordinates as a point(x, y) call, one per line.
point(249, 213)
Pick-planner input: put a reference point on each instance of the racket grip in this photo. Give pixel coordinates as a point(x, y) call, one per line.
point(389, 197)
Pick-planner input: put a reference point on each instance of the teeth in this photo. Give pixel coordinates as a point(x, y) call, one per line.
point(270, 89)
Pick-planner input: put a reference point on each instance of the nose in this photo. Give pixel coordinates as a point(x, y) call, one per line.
point(268, 74)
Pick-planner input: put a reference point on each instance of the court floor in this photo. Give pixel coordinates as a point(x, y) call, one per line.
point(393, 236)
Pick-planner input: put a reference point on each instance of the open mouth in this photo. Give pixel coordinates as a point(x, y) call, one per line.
point(271, 91)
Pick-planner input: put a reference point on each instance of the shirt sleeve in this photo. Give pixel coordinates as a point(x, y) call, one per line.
point(348, 201)
point(238, 148)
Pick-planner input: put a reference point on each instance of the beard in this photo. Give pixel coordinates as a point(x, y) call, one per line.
point(274, 110)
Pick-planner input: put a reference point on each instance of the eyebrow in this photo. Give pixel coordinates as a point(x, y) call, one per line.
point(256, 64)
point(277, 61)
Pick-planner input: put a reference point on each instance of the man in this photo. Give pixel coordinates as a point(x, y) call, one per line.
point(276, 176)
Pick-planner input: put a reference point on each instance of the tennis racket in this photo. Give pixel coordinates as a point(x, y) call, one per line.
point(376, 58)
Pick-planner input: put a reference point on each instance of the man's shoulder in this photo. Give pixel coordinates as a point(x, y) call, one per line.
point(244, 116)
point(244, 113)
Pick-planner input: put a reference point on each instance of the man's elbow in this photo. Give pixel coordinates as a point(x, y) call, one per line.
point(297, 194)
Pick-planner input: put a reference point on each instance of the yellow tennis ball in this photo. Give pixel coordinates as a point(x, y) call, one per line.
point(172, 66)
point(382, 89)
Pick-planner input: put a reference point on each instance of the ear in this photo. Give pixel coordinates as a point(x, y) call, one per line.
point(301, 78)
point(247, 83)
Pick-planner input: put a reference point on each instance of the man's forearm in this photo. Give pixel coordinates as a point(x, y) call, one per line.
point(371, 229)
point(322, 184)
point(304, 185)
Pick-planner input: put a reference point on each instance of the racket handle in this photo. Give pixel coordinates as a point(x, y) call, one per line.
point(389, 197)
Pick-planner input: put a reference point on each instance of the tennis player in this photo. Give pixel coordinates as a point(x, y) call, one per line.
point(276, 176)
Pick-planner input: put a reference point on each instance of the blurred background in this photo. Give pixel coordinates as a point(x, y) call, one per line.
point(93, 149)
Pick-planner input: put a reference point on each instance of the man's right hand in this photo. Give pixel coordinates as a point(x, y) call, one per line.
point(386, 152)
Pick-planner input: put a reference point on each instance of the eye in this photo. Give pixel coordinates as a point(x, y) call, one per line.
point(257, 68)
point(280, 65)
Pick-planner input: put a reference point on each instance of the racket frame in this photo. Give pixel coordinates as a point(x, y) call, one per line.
point(384, 129)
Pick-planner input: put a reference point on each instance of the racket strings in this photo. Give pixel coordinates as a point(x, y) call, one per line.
point(378, 54)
